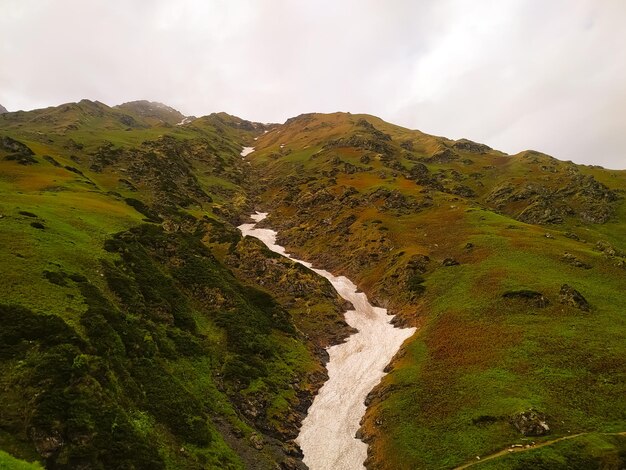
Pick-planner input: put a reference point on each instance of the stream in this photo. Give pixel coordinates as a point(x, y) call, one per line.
point(327, 437)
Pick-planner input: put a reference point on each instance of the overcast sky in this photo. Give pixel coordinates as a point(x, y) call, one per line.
point(515, 74)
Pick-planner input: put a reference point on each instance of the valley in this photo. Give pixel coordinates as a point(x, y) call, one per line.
point(140, 329)
point(329, 433)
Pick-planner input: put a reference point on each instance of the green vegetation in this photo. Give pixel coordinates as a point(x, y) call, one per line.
point(126, 344)
point(590, 451)
point(475, 249)
point(139, 330)
point(7, 462)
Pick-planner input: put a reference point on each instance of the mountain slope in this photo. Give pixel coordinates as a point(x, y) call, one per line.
point(512, 267)
point(138, 329)
point(153, 112)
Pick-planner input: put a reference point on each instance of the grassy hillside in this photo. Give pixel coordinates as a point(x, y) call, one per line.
point(137, 328)
point(513, 268)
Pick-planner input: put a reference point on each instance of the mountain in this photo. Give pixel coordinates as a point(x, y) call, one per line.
point(3, 109)
point(140, 330)
point(153, 112)
point(511, 266)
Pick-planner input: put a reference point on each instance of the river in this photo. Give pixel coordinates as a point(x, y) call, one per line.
point(327, 437)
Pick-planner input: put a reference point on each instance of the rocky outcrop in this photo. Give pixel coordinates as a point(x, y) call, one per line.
point(18, 151)
point(570, 296)
point(14, 146)
point(444, 155)
point(449, 262)
point(572, 260)
point(363, 142)
point(580, 196)
point(3, 109)
point(470, 146)
point(396, 201)
point(608, 249)
point(531, 423)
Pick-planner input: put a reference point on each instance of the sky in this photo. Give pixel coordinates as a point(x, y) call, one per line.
point(548, 75)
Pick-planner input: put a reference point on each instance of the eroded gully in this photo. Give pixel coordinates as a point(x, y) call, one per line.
point(327, 437)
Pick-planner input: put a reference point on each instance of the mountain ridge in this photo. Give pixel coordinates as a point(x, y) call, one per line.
point(109, 213)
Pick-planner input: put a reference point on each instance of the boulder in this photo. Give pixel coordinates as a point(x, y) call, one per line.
point(571, 259)
point(531, 423)
point(450, 262)
point(257, 441)
point(570, 296)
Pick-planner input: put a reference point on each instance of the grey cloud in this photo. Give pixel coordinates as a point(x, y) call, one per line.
point(514, 74)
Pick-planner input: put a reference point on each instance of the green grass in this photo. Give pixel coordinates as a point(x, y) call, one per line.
point(590, 451)
point(8, 462)
point(167, 330)
point(156, 342)
point(477, 358)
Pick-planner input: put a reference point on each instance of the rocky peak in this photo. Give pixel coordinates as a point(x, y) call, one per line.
point(153, 110)
point(3, 109)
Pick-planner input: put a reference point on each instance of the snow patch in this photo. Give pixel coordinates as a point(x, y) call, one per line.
point(246, 151)
point(186, 120)
point(327, 437)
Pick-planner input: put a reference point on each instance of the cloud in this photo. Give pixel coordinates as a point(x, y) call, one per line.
point(514, 74)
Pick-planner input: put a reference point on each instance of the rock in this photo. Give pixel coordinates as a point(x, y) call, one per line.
point(47, 443)
point(571, 259)
point(376, 141)
point(607, 249)
point(257, 441)
point(469, 246)
point(469, 146)
point(535, 298)
point(407, 145)
point(289, 464)
point(419, 171)
point(15, 146)
point(531, 423)
point(570, 296)
point(549, 235)
point(51, 160)
point(444, 155)
point(463, 191)
point(450, 262)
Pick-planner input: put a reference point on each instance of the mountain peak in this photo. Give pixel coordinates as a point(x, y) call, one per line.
point(3, 109)
point(153, 111)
